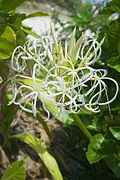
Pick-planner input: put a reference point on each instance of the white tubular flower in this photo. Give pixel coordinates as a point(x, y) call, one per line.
point(92, 54)
point(65, 83)
point(62, 86)
point(19, 57)
point(23, 95)
point(36, 50)
point(68, 88)
point(99, 91)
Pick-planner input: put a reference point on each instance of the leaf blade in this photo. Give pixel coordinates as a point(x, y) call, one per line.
point(15, 172)
point(40, 148)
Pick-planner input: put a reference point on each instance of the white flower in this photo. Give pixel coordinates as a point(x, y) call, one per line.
point(36, 50)
point(70, 86)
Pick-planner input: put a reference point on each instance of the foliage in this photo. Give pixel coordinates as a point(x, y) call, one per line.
point(8, 5)
point(15, 172)
point(106, 22)
point(96, 148)
point(40, 148)
point(7, 43)
point(85, 17)
point(1, 80)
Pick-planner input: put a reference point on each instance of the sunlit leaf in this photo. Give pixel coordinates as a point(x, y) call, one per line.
point(37, 14)
point(40, 148)
point(8, 5)
point(96, 148)
point(31, 33)
point(7, 43)
point(115, 132)
point(15, 172)
point(1, 80)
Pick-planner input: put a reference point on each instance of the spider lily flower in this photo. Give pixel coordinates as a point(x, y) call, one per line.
point(24, 94)
point(36, 50)
point(64, 92)
point(90, 57)
point(98, 90)
point(69, 85)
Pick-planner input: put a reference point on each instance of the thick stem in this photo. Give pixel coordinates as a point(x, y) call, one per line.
point(81, 126)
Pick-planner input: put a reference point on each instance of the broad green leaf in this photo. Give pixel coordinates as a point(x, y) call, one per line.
point(15, 172)
point(7, 43)
point(96, 148)
point(40, 148)
point(8, 5)
point(37, 14)
point(1, 80)
point(115, 132)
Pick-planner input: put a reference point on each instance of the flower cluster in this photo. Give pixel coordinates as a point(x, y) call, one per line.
point(69, 82)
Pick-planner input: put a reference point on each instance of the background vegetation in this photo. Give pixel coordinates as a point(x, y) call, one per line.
point(102, 20)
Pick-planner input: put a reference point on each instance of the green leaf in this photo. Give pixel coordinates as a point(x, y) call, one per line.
point(8, 118)
point(115, 132)
point(15, 22)
point(1, 80)
point(15, 172)
point(20, 37)
point(31, 33)
point(7, 43)
point(96, 150)
point(37, 14)
point(8, 5)
point(3, 16)
point(114, 164)
point(40, 148)
point(111, 7)
point(92, 123)
point(112, 39)
point(114, 63)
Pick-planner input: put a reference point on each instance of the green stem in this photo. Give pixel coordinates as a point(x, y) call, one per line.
point(81, 126)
